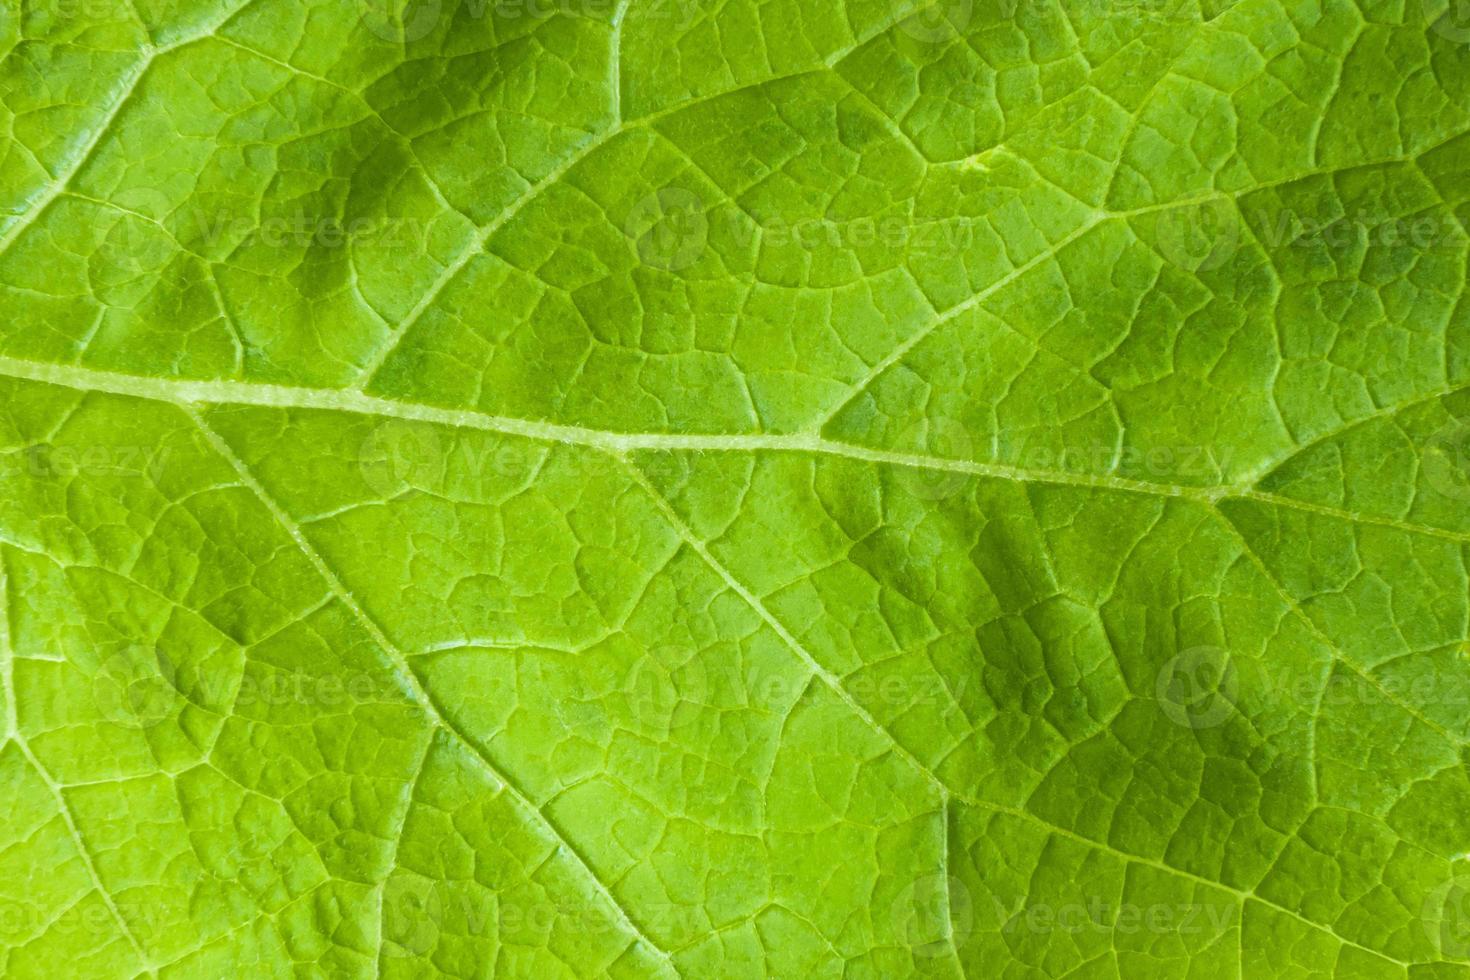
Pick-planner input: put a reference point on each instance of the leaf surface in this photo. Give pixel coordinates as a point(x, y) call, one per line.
point(656, 488)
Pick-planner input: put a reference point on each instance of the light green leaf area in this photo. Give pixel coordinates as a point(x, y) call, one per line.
point(764, 488)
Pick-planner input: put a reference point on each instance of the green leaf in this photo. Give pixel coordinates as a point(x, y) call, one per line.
point(774, 488)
